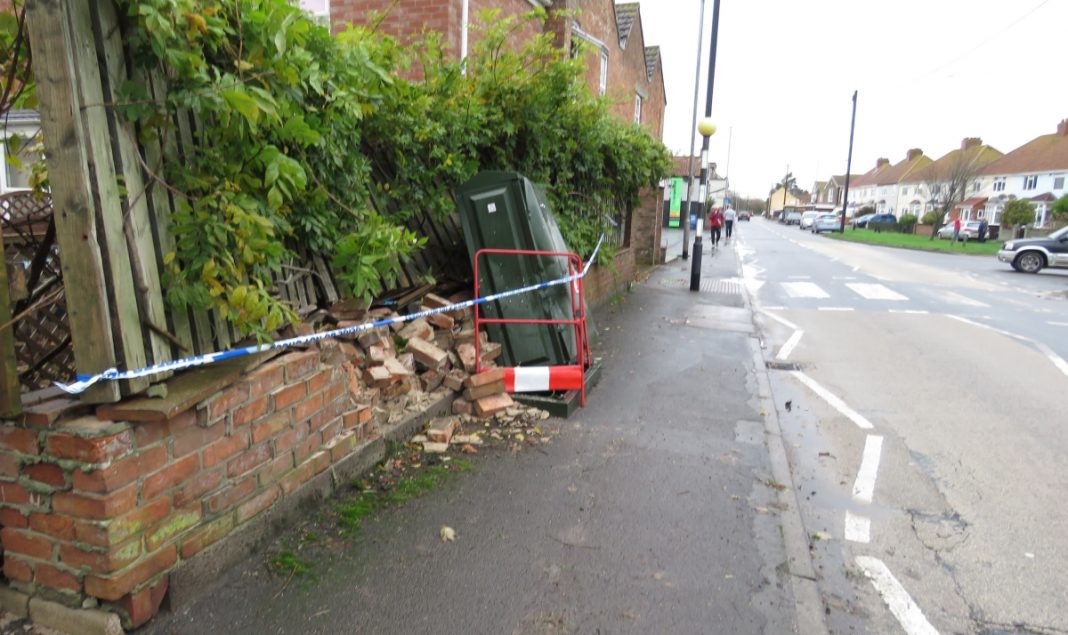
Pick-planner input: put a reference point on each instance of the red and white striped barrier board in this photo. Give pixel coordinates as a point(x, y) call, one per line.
point(542, 378)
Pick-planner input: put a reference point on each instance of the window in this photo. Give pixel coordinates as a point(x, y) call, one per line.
point(999, 184)
point(637, 109)
point(904, 191)
point(17, 166)
point(602, 86)
point(1030, 182)
point(977, 185)
point(1058, 182)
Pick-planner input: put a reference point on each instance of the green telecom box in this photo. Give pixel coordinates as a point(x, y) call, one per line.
point(505, 210)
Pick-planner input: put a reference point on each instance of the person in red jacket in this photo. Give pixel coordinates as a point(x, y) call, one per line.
point(715, 223)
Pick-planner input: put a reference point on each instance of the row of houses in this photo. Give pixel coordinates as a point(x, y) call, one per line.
point(975, 181)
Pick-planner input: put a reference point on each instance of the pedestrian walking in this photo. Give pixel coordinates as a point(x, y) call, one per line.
point(715, 223)
point(729, 217)
point(983, 228)
point(956, 229)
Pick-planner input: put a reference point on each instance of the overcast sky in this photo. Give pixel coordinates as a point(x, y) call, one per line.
point(928, 72)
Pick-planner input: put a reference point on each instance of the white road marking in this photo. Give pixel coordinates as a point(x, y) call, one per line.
point(1058, 362)
point(909, 311)
point(799, 277)
point(874, 291)
point(803, 290)
point(856, 269)
point(774, 308)
point(857, 528)
point(790, 344)
point(896, 597)
point(836, 308)
point(864, 486)
point(1057, 323)
point(955, 298)
point(833, 400)
point(845, 277)
point(781, 320)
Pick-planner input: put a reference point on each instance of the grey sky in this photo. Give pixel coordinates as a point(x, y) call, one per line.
point(928, 72)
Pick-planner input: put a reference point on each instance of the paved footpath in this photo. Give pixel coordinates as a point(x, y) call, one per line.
point(656, 509)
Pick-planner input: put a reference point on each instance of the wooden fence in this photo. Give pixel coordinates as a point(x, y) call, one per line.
point(112, 217)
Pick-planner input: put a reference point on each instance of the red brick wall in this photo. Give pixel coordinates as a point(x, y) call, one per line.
point(603, 282)
point(406, 21)
point(106, 509)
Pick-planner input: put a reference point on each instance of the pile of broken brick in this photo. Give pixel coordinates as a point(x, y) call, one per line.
point(396, 368)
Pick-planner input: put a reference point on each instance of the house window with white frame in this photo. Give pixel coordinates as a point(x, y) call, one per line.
point(1058, 181)
point(15, 174)
point(977, 185)
point(637, 108)
point(602, 85)
point(999, 184)
point(1030, 182)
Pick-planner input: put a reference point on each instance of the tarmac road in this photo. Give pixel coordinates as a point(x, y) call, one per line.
point(656, 509)
point(950, 503)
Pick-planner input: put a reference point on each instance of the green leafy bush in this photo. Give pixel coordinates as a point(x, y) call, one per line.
point(302, 140)
point(931, 218)
point(907, 223)
point(1018, 212)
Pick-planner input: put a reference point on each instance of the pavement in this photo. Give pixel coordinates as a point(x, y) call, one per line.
point(665, 505)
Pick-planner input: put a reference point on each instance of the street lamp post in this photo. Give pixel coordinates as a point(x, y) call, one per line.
point(707, 129)
point(693, 136)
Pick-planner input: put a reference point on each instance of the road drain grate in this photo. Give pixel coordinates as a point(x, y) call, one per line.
point(775, 364)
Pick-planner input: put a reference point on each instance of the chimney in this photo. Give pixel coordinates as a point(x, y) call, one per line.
point(970, 142)
point(881, 163)
point(1062, 128)
point(913, 153)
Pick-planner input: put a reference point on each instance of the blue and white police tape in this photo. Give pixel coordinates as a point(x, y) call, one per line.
point(85, 381)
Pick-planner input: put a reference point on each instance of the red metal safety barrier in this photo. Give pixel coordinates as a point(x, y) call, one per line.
point(542, 378)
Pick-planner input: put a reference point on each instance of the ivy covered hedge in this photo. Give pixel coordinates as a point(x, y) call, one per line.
point(307, 139)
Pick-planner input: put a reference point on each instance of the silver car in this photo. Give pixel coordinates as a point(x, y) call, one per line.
point(968, 229)
point(826, 223)
point(807, 219)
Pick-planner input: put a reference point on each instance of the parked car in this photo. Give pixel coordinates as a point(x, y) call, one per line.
point(745, 215)
point(792, 218)
point(826, 223)
point(1030, 255)
point(881, 218)
point(806, 220)
point(862, 221)
point(968, 229)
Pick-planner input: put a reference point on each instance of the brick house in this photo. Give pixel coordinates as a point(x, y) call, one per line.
point(621, 66)
point(1036, 172)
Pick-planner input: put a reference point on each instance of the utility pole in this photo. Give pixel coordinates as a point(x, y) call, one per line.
point(706, 132)
point(693, 136)
point(849, 162)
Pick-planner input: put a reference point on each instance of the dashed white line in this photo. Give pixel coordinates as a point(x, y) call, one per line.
point(857, 528)
point(956, 298)
point(781, 320)
point(864, 486)
point(906, 611)
point(804, 290)
point(870, 291)
point(910, 311)
point(790, 344)
point(833, 400)
point(1057, 323)
point(774, 308)
point(836, 308)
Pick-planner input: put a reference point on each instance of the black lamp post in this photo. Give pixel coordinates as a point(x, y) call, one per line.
point(706, 128)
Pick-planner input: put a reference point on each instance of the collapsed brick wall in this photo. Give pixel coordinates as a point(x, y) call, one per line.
point(100, 507)
point(647, 227)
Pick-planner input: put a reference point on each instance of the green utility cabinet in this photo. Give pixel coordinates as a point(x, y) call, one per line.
point(505, 210)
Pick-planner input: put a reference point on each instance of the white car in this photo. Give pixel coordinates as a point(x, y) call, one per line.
point(826, 223)
point(968, 229)
point(807, 219)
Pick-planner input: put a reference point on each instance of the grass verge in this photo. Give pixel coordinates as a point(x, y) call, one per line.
point(923, 243)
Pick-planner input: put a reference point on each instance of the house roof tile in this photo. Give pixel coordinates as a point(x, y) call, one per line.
point(915, 162)
point(652, 56)
point(977, 155)
point(626, 16)
point(1048, 152)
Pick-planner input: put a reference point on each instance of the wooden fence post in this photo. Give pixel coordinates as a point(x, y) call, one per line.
point(10, 401)
point(72, 192)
